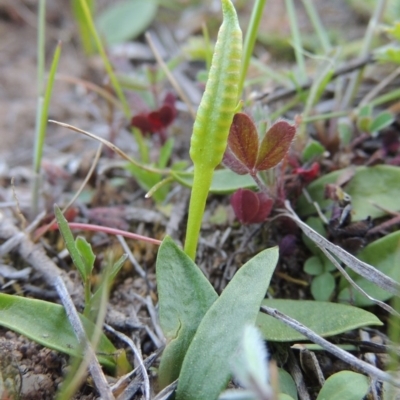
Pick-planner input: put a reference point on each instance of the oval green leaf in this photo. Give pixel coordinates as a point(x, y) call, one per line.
point(323, 286)
point(206, 368)
point(384, 254)
point(126, 20)
point(224, 181)
point(344, 385)
point(369, 186)
point(326, 319)
point(184, 296)
point(47, 324)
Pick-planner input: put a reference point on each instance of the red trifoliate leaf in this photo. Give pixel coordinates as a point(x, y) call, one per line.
point(243, 140)
point(233, 163)
point(251, 207)
point(275, 145)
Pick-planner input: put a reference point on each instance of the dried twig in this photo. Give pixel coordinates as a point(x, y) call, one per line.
point(90, 360)
point(138, 356)
point(351, 66)
point(331, 348)
point(365, 270)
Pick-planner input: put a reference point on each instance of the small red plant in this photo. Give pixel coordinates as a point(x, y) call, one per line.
point(251, 207)
point(308, 174)
point(245, 154)
point(156, 122)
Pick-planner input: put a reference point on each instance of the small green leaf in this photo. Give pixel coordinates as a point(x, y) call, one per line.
point(184, 295)
point(345, 129)
point(312, 150)
point(207, 364)
point(347, 385)
point(326, 319)
point(323, 286)
point(126, 20)
point(383, 254)
point(85, 250)
point(70, 243)
point(95, 300)
point(313, 266)
point(224, 181)
point(318, 226)
point(369, 186)
point(381, 121)
point(286, 383)
point(47, 324)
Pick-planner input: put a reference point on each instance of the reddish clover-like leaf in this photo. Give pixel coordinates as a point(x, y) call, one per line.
point(275, 145)
point(156, 121)
point(251, 207)
point(243, 140)
point(244, 153)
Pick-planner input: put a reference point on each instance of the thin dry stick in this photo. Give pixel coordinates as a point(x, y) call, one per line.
point(90, 358)
point(79, 191)
point(169, 75)
point(357, 287)
point(349, 67)
point(138, 356)
point(331, 348)
point(365, 270)
point(112, 147)
point(141, 272)
point(91, 86)
point(379, 87)
point(33, 254)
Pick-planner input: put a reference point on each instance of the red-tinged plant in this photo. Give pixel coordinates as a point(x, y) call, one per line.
point(308, 174)
point(251, 207)
point(156, 122)
point(245, 154)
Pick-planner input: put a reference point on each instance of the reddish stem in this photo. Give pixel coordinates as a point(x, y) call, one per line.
point(111, 231)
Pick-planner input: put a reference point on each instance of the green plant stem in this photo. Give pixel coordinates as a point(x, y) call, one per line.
point(367, 42)
point(319, 29)
point(202, 179)
point(41, 45)
point(41, 124)
point(107, 64)
point(250, 39)
point(41, 133)
point(321, 117)
point(296, 37)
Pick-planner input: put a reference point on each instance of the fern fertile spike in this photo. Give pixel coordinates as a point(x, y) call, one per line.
point(217, 107)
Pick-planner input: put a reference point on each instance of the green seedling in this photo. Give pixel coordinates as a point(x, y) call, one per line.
point(367, 123)
point(83, 258)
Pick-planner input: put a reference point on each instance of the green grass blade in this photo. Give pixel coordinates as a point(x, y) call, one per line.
point(106, 61)
point(250, 39)
point(41, 132)
point(296, 37)
point(84, 31)
point(318, 27)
